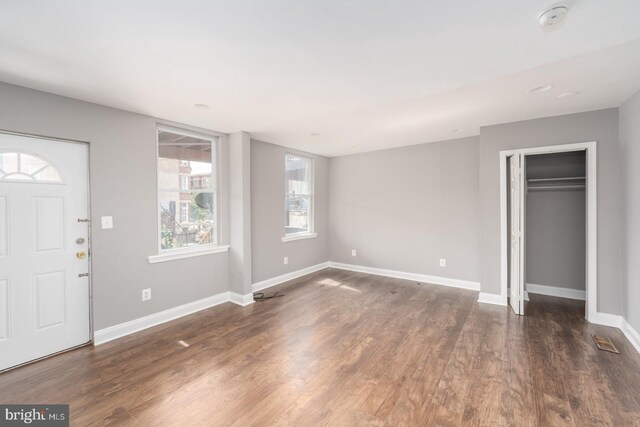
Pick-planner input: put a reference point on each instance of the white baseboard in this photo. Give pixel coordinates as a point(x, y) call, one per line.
point(240, 299)
point(616, 321)
point(554, 291)
point(632, 335)
point(495, 299)
point(423, 278)
point(606, 319)
point(288, 276)
point(113, 332)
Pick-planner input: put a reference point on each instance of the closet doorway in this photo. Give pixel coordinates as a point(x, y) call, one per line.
point(548, 224)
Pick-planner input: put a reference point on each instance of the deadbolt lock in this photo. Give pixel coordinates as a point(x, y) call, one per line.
point(81, 254)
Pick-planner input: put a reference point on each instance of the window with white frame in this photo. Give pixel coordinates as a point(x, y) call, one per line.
point(188, 215)
point(298, 195)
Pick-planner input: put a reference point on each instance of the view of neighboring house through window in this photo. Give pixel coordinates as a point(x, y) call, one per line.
point(184, 212)
point(187, 189)
point(299, 194)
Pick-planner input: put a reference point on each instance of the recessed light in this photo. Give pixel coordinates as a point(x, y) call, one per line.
point(315, 134)
point(540, 89)
point(457, 130)
point(568, 94)
point(201, 106)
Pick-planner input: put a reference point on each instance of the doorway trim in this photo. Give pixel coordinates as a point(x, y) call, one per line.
point(592, 219)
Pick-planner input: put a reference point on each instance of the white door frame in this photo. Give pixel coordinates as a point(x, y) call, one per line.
point(90, 237)
point(592, 220)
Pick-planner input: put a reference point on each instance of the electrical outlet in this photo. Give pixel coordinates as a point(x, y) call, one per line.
point(443, 262)
point(353, 252)
point(286, 260)
point(146, 294)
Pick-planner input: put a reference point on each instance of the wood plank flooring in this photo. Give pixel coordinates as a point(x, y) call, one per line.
point(348, 349)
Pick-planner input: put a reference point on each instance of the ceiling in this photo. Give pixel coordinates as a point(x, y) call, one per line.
point(331, 77)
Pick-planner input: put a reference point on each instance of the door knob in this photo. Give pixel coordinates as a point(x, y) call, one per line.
point(81, 254)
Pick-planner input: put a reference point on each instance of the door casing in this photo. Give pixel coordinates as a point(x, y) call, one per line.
point(591, 310)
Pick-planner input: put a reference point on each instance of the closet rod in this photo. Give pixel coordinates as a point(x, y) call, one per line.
point(570, 178)
point(557, 187)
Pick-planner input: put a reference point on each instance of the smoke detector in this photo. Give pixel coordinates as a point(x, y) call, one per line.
point(553, 17)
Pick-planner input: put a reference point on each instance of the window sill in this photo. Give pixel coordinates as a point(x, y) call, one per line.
point(187, 253)
point(292, 237)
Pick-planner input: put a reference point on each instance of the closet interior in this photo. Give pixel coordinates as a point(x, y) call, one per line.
point(555, 221)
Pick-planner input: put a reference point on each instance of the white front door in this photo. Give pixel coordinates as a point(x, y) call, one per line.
point(44, 248)
point(516, 216)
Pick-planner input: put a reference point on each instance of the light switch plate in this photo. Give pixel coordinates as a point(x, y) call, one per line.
point(107, 222)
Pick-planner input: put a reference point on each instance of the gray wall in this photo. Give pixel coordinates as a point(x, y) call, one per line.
point(401, 209)
point(404, 209)
point(268, 217)
point(123, 184)
point(630, 152)
point(600, 126)
point(556, 238)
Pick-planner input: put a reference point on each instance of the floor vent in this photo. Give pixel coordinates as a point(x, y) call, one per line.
point(605, 344)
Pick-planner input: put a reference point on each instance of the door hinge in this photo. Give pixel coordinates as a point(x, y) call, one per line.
point(83, 220)
point(83, 275)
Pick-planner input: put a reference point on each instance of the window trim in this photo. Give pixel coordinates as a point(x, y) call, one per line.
point(310, 232)
point(190, 251)
point(181, 253)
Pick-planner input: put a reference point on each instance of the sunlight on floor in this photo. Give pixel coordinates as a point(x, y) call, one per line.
point(336, 284)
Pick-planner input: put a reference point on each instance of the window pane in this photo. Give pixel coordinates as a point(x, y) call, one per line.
point(25, 167)
point(9, 162)
point(298, 209)
point(48, 173)
point(30, 165)
point(186, 190)
point(298, 194)
point(298, 174)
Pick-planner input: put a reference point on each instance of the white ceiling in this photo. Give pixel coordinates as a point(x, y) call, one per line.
point(363, 74)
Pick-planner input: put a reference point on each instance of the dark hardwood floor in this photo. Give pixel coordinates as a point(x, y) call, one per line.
point(344, 348)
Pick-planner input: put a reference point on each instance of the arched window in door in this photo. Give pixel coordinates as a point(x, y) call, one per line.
point(23, 167)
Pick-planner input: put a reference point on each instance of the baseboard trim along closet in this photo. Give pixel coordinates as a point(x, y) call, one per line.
point(495, 299)
point(123, 329)
point(258, 286)
point(423, 278)
point(554, 291)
